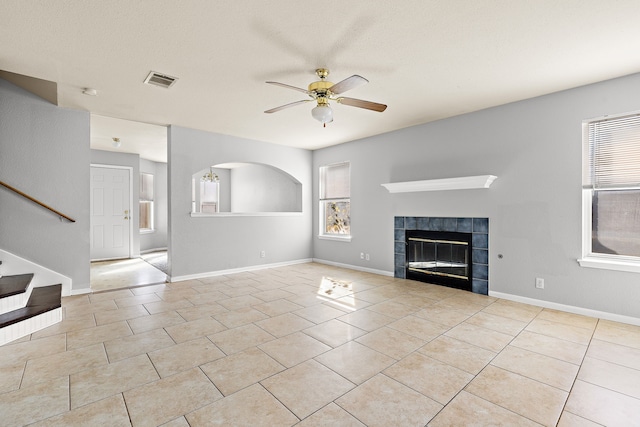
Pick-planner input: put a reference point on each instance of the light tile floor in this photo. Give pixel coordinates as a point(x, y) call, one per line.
point(313, 345)
point(116, 274)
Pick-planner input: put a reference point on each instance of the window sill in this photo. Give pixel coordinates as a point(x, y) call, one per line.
point(147, 231)
point(335, 238)
point(617, 263)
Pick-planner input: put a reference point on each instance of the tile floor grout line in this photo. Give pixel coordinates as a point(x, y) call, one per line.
point(394, 319)
point(490, 363)
point(275, 397)
point(573, 383)
point(597, 385)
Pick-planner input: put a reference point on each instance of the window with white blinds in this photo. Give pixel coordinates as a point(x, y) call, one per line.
point(335, 201)
point(146, 186)
point(612, 153)
point(146, 202)
point(335, 182)
point(611, 181)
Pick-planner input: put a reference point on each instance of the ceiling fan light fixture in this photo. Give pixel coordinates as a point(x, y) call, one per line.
point(322, 113)
point(323, 91)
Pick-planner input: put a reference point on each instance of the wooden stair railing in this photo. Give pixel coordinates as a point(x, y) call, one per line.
point(26, 196)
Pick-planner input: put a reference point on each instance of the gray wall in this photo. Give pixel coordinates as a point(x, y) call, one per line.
point(44, 151)
point(199, 245)
point(158, 238)
point(259, 188)
point(113, 158)
point(534, 207)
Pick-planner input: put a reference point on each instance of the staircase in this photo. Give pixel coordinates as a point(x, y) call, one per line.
point(25, 309)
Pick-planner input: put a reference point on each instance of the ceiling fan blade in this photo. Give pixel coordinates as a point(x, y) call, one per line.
point(348, 84)
point(292, 104)
point(363, 104)
point(289, 87)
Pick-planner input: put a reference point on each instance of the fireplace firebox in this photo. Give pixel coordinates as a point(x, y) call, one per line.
point(479, 250)
point(439, 257)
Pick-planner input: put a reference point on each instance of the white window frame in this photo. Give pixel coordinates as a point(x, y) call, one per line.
point(589, 258)
point(322, 234)
point(151, 207)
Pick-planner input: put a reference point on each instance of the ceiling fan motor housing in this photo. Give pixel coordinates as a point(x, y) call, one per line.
point(323, 91)
point(320, 87)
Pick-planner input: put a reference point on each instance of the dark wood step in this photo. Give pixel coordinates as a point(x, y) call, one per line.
point(43, 299)
point(14, 285)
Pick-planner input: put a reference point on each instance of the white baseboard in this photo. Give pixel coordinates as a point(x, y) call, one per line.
point(148, 251)
point(354, 267)
point(80, 291)
point(568, 308)
point(236, 270)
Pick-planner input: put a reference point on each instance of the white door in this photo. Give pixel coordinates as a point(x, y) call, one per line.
point(110, 213)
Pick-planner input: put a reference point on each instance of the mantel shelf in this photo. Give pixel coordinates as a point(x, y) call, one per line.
point(461, 183)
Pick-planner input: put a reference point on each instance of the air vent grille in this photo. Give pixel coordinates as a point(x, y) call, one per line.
point(159, 79)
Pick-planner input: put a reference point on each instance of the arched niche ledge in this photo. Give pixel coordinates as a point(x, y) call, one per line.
point(244, 189)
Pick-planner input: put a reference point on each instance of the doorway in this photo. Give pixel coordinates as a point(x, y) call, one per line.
point(110, 212)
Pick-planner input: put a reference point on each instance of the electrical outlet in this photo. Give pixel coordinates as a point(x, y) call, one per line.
point(263, 254)
point(539, 283)
point(361, 255)
point(366, 256)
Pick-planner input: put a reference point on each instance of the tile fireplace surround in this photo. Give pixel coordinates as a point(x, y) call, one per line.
point(479, 227)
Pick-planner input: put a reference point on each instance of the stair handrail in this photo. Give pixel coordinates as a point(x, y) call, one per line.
point(25, 195)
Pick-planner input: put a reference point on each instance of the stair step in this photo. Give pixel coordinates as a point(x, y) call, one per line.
point(15, 292)
point(13, 285)
point(43, 299)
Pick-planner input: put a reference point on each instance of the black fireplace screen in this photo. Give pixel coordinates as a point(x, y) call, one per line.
point(439, 257)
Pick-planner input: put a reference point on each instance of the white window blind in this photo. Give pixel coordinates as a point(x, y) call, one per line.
point(146, 186)
point(612, 153)
point(335, 182)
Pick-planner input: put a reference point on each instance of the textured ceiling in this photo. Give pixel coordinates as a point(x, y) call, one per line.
point(426, 59)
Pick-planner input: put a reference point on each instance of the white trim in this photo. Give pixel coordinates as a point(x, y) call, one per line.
point(42, 276)
point(610, 116)
point(460, 183)
point(322, 224)
point(80, 291)
point(228, 214)
point(28, 326)
point(602, 261)
point(130, 168)
point(14, 302)
point(354, 267)
point(618, 263)
point(172, 279)
point(109, 259)
point(568, 308)
point(335, 237)
point(148, 251)
point(586, 222)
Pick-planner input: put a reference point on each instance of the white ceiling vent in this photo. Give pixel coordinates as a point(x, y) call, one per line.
point(158, 79)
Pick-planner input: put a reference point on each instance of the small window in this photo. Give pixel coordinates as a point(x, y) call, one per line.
point(146, 202)
point(611, 182)
point(335, 201)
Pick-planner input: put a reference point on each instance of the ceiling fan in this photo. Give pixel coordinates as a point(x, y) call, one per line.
point(323, 91)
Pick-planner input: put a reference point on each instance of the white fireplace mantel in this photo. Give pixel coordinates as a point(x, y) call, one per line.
point(461, 183)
